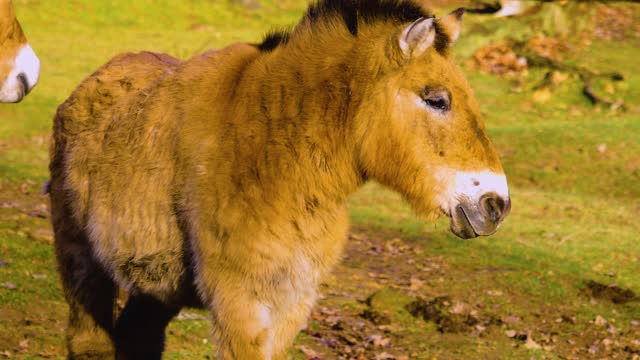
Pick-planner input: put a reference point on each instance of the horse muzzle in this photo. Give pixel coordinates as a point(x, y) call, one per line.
point(22, 78)
point(470, 219)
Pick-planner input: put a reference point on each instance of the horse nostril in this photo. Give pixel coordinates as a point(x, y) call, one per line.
point(495, 206)
point(22, 77)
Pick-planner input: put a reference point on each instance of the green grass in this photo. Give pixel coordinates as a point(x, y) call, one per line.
point(575, 207)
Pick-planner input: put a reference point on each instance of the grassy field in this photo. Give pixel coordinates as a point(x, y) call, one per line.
point(549, 285)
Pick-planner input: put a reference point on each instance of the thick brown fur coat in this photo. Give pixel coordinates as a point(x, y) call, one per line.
point(221, 181)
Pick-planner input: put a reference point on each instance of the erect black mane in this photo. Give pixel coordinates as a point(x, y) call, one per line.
point(273, 39)
point(352, 12)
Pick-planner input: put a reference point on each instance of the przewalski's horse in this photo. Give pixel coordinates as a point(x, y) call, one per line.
point(19, 65)
point(221, 181)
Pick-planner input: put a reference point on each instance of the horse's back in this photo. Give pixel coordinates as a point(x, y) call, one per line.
point(118, 79)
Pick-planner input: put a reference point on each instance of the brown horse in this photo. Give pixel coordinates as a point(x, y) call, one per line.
point(19, 65)
point(221, 181)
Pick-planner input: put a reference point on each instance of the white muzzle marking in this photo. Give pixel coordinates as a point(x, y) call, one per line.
point(469, 187)
point(476, 202)
point(23, 77)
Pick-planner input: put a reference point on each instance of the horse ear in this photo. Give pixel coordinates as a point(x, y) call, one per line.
point(417, 37)
point(452, 24)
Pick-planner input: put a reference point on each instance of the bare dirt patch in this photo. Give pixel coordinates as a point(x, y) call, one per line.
point(611, 292)
point(390, 299)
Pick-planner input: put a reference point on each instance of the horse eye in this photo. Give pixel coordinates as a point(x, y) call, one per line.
point(438, 102)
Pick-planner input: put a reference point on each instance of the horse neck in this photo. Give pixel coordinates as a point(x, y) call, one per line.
point(303, 105)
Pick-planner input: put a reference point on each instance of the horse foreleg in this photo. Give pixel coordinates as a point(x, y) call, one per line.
point(258, 319)
point(290, 319)
point(242, 324)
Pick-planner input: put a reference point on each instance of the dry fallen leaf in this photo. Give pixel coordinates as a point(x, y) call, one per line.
point(549, 48)
point(558, 77)
point(609, 89)
point(499, 59)
point(511, 320)
point(24, 344)
point(379, 341)
point(602, 148)
point(600, 321)
point(311, 354)
point(328, 311)
point(385, 356)
point(190, 316)
point(542, 95)
point(415, 283)
point(9, 205)
point(8, 285)
point(459, 308)
point(531, 345)
point(39, 211)
point(44, 235)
